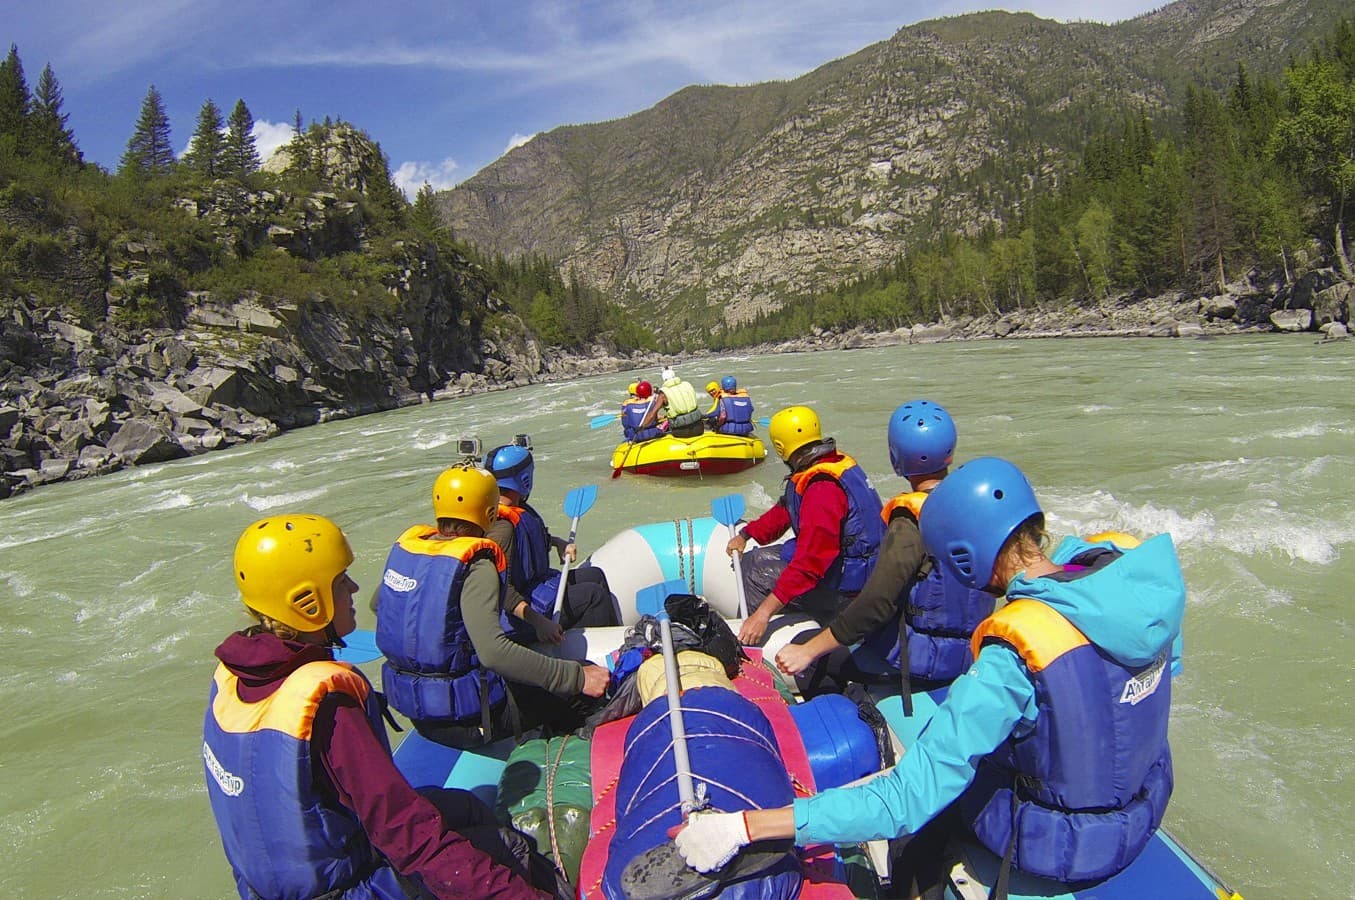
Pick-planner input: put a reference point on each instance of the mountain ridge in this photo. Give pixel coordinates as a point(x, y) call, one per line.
point(719, 203)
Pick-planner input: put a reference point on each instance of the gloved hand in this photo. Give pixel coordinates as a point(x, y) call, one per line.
point(710, 839)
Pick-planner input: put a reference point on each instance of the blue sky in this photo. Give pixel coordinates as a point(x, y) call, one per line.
point(445, 87)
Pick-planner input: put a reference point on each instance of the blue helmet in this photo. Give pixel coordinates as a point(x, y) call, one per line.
point(513, 467)
point(970, 515)
point(921, 438)
point(729, 383)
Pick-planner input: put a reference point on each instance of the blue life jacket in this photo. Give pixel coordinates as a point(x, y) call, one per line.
point(529, 571)
point(263, 788)
point(431, 670)
point(632, 414)
point(738, 412)
point(861, 531)
point(1088, 786)
point(939, 615)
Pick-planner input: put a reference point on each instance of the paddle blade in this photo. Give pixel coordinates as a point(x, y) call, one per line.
point(765, 421)
point(361, 648)
point(727, 510)
point(649, 600)
point(580, 500)
point(600, 421)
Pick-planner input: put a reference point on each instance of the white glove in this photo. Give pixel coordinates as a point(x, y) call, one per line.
point(710, 839)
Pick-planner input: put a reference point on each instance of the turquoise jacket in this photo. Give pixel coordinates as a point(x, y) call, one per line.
point(1132, 608)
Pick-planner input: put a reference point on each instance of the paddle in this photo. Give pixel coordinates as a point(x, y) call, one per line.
point(599, 421)
point(727, 511)
point(359, 647)
point(650, 602)
point(577, 502)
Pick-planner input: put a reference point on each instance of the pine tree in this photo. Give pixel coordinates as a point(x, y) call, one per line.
point(424, 216)
point(47, 123)
point(148, 150)
point(204, 153)
point(14, 100)
point(240, 155)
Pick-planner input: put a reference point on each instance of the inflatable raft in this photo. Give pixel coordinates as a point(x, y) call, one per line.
point(590, 803)
point(711, 453)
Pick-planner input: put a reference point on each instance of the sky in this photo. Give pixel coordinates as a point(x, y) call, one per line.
point(445, 86)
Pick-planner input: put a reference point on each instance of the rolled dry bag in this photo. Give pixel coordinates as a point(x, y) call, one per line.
point(840, 745)
point(733, 752)
point(538, 774)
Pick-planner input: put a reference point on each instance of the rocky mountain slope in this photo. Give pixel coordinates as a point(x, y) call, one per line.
point(720, 202)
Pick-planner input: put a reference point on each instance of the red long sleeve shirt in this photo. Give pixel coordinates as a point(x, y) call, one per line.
point(818, 541)
point(400, 822)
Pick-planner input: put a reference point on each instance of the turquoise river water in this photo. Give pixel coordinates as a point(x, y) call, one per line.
point(116, 590)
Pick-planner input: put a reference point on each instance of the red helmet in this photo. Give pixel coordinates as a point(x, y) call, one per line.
point(644, 390)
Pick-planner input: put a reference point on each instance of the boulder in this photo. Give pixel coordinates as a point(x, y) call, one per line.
point(164, 397)
point(214, 386)
point(1292, 319)
point(139, 442)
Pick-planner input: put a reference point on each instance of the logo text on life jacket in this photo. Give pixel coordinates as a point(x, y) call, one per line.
point(397, 582)
point(231, 785)
point(1145, 683)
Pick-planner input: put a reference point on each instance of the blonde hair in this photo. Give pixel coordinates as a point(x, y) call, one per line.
point(1028, 542)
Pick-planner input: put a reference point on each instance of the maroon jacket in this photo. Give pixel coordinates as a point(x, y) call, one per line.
point(352, 760)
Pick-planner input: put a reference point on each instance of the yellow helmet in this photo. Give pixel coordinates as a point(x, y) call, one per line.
point(631, 390)
point(466, 493)
point(1118, 538)
point(285, 568)
point(792, 428)
point(712, 387)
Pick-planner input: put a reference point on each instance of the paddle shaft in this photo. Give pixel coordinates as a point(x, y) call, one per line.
point(738, 578)
point(564, 570)
point(681, 762)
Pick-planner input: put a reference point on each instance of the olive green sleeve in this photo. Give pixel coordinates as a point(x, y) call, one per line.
point(902, 555)
point(480, 608)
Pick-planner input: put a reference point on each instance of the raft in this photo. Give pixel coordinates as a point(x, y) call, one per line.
point(710, 453)
point(821, 744)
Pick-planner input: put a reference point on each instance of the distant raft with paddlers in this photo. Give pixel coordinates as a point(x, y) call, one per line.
point(710, 453)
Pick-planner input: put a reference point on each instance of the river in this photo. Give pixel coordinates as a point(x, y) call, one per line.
point(117, 589)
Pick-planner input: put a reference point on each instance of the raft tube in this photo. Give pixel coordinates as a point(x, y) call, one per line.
point(687, 550)
point(711, 453)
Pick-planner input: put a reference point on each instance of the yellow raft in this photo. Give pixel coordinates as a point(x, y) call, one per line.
point(711, 453)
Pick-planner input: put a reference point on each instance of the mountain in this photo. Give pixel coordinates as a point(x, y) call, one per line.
point(719, 203)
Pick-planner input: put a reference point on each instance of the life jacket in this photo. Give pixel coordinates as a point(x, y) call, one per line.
point(529, 571)
point(263, 786)
point(862, 530)
point(1087, 787)
point(632, 414)
point(939, 614)
point(683, 408)
point(431, 670)
point(738, 412)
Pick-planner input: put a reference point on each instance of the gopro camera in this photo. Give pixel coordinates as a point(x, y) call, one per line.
point(468, 447)
point(522, 440)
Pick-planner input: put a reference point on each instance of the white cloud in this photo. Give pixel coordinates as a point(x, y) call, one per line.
point(517, 140)
point(269, 136)
point(412, 175)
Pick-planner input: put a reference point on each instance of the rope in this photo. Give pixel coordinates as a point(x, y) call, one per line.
point(691, 545)
point(550, 803)
point(681, 551)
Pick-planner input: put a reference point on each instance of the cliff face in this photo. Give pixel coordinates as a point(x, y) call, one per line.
point(718, 203)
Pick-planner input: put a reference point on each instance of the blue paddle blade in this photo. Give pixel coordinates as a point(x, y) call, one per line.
point(649, 600)
point(361, 648)
point(727, 510)
point(580, 500)
point(765, 421)
point(599, 421)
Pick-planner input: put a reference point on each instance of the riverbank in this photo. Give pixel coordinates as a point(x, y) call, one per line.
point(77, 403)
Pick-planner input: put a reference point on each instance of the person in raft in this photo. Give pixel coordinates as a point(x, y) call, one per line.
point(912, 617)
point(1052, 749)
point(526, 541)
point(676, 401)
point(451, 666)
point(299, 772)
point(732, 411)
point(634, 412)
point(829, 502)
